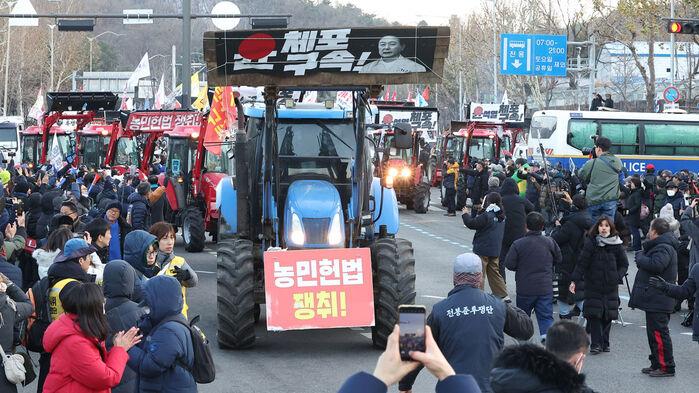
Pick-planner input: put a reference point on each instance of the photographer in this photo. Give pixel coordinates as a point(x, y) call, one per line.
point(601, 177)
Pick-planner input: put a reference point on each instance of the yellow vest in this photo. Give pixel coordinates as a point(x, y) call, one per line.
point(55, 306)
point(168, 270)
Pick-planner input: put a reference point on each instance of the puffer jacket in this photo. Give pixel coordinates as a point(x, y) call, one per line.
point(136, 245)
point(602, 266)
point(33, 214)
point(530, 368)
point(516, 210)
point(47, 212)
point(80, 363)
point(686, 291)
point(658, 258)
point(490, 229)
point(570, 237)
point(11, 315)
point(165, 341)
point(533, 259)
point(140, 211)
point(602, 180)
point(122, 312)
point(44, 259)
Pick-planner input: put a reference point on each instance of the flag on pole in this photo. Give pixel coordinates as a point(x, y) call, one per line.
point(344, 99)
point(141, 71)
point(387, 94)
point(505, 100)
point(394, 96)
point(160, 94)
point(55, 156)
point(37, 110)
point(426, 93)
point(310, 96)
point(222, 117)
point(202, 100)
point(420, 100)
point(410, 95)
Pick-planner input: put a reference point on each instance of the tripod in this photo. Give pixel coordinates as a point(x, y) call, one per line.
point(628, 287)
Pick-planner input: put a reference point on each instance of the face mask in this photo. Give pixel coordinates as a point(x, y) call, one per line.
point(671, 193)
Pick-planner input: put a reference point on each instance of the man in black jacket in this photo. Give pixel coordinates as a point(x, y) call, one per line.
point(469, 325)
point(530, 368)
point(479, 187)
point(533, 258)
point(658, 258)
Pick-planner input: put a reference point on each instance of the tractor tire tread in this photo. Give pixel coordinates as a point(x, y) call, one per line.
point(235, 294)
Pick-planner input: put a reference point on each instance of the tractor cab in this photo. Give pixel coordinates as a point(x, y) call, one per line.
point(94, 143)
point(32, 149)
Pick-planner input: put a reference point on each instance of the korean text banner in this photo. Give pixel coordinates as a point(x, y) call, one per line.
point(497, 113)
point(326, 57)
point(318, 289)
point(158, 121)
point(423, 120)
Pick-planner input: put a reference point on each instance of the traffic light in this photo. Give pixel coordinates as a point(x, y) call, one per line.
point(683, 26)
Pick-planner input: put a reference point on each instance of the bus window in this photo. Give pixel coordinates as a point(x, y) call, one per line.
point(542, 127)
point(580, 132)
point(624, 137)
point(672, 139)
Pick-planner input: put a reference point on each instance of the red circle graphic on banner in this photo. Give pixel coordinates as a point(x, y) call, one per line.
point(257, 46)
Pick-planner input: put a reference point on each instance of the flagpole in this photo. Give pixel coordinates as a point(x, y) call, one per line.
point(186, 55)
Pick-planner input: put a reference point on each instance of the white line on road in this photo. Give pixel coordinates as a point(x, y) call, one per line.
point(205, 272)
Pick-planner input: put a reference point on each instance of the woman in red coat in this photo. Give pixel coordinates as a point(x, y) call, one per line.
point(79, 360)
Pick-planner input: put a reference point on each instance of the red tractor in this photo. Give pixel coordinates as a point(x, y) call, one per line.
point(193, 171)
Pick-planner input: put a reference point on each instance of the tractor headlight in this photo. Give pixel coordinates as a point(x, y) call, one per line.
point(389, 181)
point(297, 236)
point(405, 172)
point(392, 172)
point(335, 234)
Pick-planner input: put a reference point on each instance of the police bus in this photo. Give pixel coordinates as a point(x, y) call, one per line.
point(10, 127)
point(668, 141)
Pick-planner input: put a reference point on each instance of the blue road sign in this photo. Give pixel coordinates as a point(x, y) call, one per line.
point(533, 54)
point(671, 94)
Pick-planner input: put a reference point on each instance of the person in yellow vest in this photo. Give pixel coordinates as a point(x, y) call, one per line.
point(170, 264)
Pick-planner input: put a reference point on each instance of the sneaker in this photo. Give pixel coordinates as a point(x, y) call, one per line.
point(606, 349)
point(595, 350)
point(648, 370)
point(661, 373)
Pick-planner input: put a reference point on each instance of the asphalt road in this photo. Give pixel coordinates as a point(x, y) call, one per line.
point(320, 360)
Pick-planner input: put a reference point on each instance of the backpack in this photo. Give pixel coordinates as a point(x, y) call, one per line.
point(39, 295)
point(204, 369)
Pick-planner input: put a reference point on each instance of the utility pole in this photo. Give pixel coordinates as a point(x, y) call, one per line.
point(495, 56)
point(461, 73)
point(672, 46)
point(7, 72)
point(592, 66)
point(174, 67)
point(186, 55)
point(52, 62)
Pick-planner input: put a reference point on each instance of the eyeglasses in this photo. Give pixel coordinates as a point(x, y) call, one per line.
point(152, 253)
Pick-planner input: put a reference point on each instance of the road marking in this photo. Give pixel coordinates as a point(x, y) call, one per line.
point(367, 335)
point(433, 297)
point(440, 238)
point(205, 272)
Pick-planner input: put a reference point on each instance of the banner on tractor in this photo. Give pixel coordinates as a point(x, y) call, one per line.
point(156, 121)
point(318, 289)
point(504, 113)
point(326, 57)
point(423, 120)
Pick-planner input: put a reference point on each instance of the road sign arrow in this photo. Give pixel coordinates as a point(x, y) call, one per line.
point(516, 63)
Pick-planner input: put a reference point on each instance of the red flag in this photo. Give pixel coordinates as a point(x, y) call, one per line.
point(222, 116)
point(410, 95)
point(426, 93)
point(388, 92)
point(394, 96)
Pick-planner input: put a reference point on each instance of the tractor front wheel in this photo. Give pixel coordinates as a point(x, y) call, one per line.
point(393, 267)
point(235, 298)
point(421, 198)
point(193, 230)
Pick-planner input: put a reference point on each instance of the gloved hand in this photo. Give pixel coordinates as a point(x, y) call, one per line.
point(182, 275)
point(659, 283)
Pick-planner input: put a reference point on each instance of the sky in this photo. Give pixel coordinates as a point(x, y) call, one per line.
point(410, 12)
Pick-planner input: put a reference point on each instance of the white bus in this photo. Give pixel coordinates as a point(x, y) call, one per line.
point(10, 127)
point(668, 141)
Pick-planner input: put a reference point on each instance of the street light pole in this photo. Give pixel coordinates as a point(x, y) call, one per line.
point(672, 46)
point(495, 56)
point(186, 49)
point(52, 62)
point(7, 72)
point(91, 39)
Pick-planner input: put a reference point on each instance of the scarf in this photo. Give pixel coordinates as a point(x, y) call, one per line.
point(608, 241)
point(470, 279)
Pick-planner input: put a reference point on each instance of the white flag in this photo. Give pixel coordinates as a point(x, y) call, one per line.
point(37, 110)
point(55, 156)
point(344, 99)
point(505, 100)
point(310, 96)
point(142, 71)
point(160, 95)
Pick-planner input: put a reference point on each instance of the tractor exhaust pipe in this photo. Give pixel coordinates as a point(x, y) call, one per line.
point(242, 182)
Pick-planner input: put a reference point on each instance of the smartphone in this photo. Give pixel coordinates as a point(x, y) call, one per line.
point(411, 320)
point(19, 209)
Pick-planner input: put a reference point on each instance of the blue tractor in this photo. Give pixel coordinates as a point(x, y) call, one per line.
point(304, 179)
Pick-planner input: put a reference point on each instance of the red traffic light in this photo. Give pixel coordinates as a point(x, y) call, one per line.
point(674, 27)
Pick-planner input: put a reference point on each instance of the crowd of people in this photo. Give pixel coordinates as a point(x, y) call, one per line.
point(89, 280)
point(569, 237)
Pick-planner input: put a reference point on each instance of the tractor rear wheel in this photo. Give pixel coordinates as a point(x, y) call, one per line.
point(393, 266)
point(193, 230)
point(235, 298)
point(421, 198)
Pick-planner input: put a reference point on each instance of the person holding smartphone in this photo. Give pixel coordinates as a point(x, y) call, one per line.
point(470, 325)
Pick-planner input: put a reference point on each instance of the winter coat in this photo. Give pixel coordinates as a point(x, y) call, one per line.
point(570, 237)
point(534, 182)
point(80, 363)
point(516, 209)
point(367, 383)
point(658, 258)
point(107, 192)
point(135, 247)
point(47, 212)
point(123, 195)
point(140, 212)
point(124, 229)
point(473, 353)
point(602, 180)
point(33, 214)
point(633, 205)
point(167, 268)
point(15, 245)
point(686, 291)
point(490, 229)
point(10, 318)
point(690, 227)
point(602, 267)
point(530, 368)
point(157, 206)
point(156, 359)
point(44, 259)
point(480, 184)
point(122, 312)
point(11, 271)
point(678, 204)
point(533, 258)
